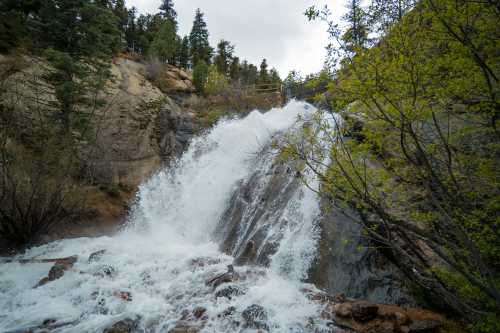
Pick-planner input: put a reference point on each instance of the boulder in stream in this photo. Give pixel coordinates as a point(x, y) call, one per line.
point(123, 326)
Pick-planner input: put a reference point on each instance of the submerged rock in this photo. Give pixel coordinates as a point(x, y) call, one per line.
point(185, 327)
point(105, 271)
point(255, 317)
point(57, 270)
point(229, 276)
point(199, 311)
point(96, 256)
point(123, 326)
point(229, 292)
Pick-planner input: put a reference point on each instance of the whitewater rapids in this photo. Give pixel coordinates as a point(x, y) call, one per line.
point(171, 226)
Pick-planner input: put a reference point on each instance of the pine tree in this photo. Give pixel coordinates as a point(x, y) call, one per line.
point(223, 57)
point(80, 39)
point(274, 77)
point(356, 35)
point(385, 13)
point(263, 73)
point(168, 12)
point(200, 76)
point(142, 40)
point(235, 69)
point(253, 74)
point(121, 12)
point(184, 53)
point(14, 16)
point(244, 72)
point(165, 44)
point(198, 39)
point(131, 30)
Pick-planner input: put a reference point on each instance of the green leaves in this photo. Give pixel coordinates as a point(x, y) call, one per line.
point(418, 155)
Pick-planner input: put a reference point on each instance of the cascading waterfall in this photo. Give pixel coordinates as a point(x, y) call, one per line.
point(168, 250)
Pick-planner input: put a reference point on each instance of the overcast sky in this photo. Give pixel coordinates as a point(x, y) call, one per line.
point(274, 29)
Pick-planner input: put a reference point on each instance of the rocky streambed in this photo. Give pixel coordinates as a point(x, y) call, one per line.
point(336, 313)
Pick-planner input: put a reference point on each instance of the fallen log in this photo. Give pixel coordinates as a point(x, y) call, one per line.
point(71, 260)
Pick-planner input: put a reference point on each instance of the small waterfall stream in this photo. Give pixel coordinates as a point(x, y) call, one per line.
point(175, 241)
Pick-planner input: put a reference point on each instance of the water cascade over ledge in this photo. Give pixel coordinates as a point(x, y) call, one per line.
point(172, 246)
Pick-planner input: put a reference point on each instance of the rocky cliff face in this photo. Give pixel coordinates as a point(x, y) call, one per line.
point(349, 264)
point(346, 262)
point(142, 128)
point(138, 129)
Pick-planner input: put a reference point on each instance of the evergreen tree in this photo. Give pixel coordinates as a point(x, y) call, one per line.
point(244, 72)
point(168, 12)
point(14, 22)
point(263, 73)
point(235, 69)
point(80, 38)
point(223, 56)
point(184, 53)
point(165, 44)
point(131, 31)
point(198, 39)
point(121, 12)
point(384, 13)
point(274, 77)
point(200, 76)
point(356, 35)
point(142, 39)
point(253, 74)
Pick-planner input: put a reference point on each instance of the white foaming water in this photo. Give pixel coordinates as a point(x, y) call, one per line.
point(157, 257)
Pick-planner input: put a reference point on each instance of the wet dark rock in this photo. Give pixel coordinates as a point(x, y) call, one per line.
point(101, 307)
point(364, 311)
point(96, 256)
point(57, 270)
point(227, 312)
point(249, 253)
point(347, 263)
point(229, 276)
point(255, 317)
point(368, 317)
point(229, 292)
point(175, 129)
point(48, 322)
point(185, 327)
point(204, 261)
point(243, 230)
point(105, 271)
point(185, 314)
point(146, 278)
point(199, 311)
point(123, 326)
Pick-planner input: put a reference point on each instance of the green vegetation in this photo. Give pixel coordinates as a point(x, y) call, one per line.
point(417, 152)
point(72, 43)
point(200, 76)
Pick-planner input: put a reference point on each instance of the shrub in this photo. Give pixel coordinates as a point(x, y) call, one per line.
point(217, 83)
